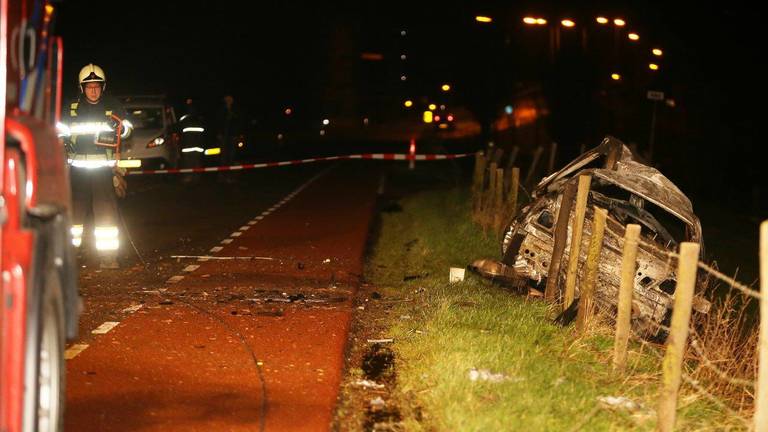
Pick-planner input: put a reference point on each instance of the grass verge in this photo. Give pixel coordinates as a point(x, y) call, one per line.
point(548, 379)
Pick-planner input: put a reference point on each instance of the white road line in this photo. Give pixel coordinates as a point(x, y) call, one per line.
point(174, 279)
point(74, 350)
point(105, 327)
point(190, 268)
point(226, 241)
point(216, 249)
point(258, 218)
point(253, 222)
point(236, 234)
point(266, 212)
point(132, 309)
point(202, 259)
point(245, 228)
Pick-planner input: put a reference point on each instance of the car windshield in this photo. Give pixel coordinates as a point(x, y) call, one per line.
point(146, 118)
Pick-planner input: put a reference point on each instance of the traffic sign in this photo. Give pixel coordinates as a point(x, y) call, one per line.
point(655, 95)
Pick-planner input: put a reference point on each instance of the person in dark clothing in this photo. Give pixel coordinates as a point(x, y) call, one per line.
point(229, 128)
point(91, 126)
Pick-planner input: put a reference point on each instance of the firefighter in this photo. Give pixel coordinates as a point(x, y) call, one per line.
point(91, 125)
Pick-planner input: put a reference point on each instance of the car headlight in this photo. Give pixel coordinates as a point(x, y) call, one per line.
point(156, 142)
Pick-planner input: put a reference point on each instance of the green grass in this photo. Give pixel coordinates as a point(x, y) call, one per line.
point(443, 330)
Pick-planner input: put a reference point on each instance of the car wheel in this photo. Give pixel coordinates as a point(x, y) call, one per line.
point(45, 403)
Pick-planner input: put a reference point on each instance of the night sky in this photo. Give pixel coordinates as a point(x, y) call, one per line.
point(307, 54)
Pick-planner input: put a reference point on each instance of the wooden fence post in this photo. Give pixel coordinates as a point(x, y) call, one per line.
point(761, 399)
point(678, 336)
point(552, 157)
point(586, 298)
point(489, 197)
point(560, 240)
point(477, 182)
point(534, 164)
point(498, 203)
point(573, 253)
point(514, 188)
point(513, 157)
point(626, 288)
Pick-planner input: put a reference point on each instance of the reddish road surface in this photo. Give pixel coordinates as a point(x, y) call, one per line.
point(226, 344)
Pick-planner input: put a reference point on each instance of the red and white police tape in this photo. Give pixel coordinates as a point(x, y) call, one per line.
point(374, 156)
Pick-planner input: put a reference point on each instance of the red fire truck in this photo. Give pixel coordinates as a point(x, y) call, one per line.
point(38, 283)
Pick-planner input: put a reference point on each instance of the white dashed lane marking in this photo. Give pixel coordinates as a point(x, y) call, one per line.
point(174, 279)
point(226, 241)
point(74, 350)
point(105, 327)
point(216, 249)
point(236, 234)
point(245, 228)
point(191, 268)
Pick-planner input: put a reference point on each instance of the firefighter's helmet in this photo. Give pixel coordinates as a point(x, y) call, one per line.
point(92, 73)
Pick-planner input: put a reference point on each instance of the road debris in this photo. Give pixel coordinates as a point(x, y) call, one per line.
point(368, 384)
point(456, 274)
point(211, 257)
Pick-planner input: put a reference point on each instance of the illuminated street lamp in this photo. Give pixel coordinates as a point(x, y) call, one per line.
point(653, 66)
point(541, 21)
point(445, 87)
point(633, 36)
point(288, 111)
point(483, 19)
point(615, 76)
point(529, 20)
point(618, 22)
point(657, 52)
point(567, 23)
point(602, 20)
point(408, 103)
point(432, 107)
point(427, 117)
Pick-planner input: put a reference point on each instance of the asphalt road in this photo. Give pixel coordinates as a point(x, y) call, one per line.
point(223, 344)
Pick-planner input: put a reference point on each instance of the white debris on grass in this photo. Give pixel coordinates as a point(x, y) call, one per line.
point(368, 384)
point(378, 403)
point(487, 375)
point(619, 402)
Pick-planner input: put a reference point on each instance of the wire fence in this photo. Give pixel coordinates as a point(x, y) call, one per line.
point(720, 355)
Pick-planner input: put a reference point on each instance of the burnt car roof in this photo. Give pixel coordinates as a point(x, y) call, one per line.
point(622, 170)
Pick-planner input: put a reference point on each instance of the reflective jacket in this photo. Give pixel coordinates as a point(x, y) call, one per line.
point(83, 120)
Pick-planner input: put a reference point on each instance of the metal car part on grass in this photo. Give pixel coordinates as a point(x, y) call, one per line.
point(632, 193)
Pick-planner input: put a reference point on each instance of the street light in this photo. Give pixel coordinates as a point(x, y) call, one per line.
point(602, 20)
point(445, 87)
point(534, 20)
point(408, 103)
point(657, 52)
point(653, 66)
point(432, 107)
point(618, 22)
point(483, 19)
point(615, 76)
point(567, 23)
point(633, 36)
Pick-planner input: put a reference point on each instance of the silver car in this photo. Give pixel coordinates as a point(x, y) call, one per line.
point(155, 138)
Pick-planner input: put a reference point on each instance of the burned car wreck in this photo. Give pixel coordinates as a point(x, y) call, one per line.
point(632, 193)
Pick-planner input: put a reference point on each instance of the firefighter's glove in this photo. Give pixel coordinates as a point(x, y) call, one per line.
point(119, 182)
